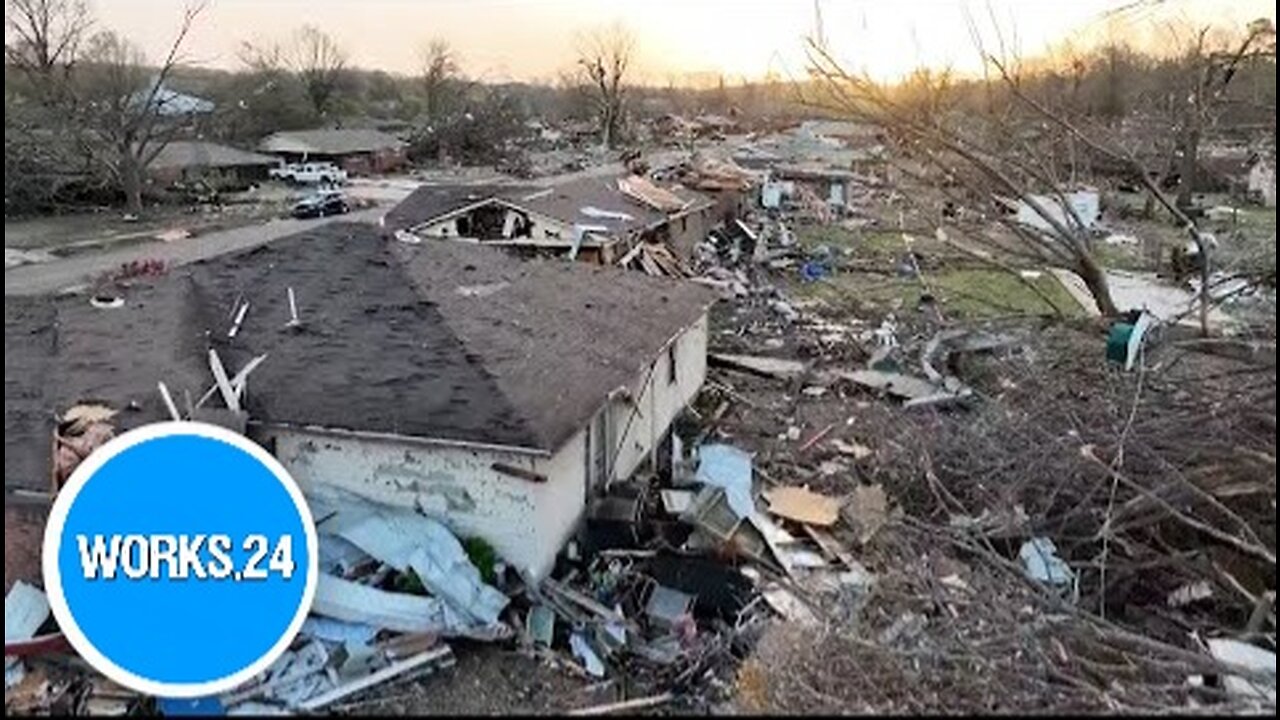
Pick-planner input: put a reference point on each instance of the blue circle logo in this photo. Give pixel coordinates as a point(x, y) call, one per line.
point(180, 559)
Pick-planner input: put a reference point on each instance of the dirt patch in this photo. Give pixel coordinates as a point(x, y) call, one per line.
point(487, 680)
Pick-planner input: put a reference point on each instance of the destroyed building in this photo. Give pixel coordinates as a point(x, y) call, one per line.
point(596, 219)
point(492, 393)
point(815, 163)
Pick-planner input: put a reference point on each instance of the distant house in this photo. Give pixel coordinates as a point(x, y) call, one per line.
point(171, 103)
point(358, 151)
point(219, 165)
point(597, 219)
point(491, 393)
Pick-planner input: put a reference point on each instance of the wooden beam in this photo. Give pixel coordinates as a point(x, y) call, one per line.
point(627, 705)
point(518, 472)
point(374, 678)
point(168, 400)
point(224, 385)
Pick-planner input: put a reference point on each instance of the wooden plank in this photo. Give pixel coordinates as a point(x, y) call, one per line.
point(224, 385)
point(631, 254)
point(803, 505)
point(235, 326)
point(832, 547)
point(518, 472)
point(374, 678)
point(237, 382)
point(168, 400)
point(759, 365)
point(583, 601)
point(241, 380)
point(625, 705)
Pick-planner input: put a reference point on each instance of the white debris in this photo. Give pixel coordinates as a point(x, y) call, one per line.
point(1120, 239)
point(1040, 560)
point(406, 540)
point(1249, 657)
point(595, 212)
point(1190, 592)
point(356, 603)
point(25, 610)
point(584, 652)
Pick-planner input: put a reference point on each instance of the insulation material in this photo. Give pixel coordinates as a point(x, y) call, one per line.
point(406, 540)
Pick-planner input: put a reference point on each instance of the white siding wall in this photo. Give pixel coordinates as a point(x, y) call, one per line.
point(525, 521)
point(658, 401)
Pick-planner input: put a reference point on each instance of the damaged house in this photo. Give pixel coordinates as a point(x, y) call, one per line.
point(596, 219)
point(491, 393)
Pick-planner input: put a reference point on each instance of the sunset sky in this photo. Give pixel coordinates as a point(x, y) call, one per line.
point(533, 39)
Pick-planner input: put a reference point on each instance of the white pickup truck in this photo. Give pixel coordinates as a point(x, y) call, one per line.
point(309, 173)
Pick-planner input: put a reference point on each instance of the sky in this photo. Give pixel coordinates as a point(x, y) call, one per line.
point(680, 40)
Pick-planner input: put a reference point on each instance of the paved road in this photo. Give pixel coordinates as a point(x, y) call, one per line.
point(53, 276)
point(37, 278)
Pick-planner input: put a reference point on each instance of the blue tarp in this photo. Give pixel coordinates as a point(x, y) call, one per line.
point(727, 467)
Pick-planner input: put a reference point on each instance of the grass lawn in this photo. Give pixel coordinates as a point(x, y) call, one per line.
point(967, 293)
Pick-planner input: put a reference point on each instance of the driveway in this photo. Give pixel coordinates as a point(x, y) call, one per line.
point(37, 278)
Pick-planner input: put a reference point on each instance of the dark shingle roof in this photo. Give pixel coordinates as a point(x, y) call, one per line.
point(196, 153)
point(441, 340)
point(557, 336)
point(341, 141)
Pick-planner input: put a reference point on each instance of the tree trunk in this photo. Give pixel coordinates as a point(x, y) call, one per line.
point(1187, 165)
point(608, 128)
point(131, 183)
point(1095, 278)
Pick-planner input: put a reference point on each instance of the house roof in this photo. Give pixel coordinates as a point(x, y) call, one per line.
point(171, 103)
point(428, 202)
point(556, 336)
point(445, 341)
point(585, 201)
point(342, 141)
point(60, 351)
point(194, 153)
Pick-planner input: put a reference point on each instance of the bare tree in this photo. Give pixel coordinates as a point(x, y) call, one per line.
point(122, 112)
point(319, 63)
point(47, 35)
point(604, 57)
point(440, 70)
point(980, 161)
point(1210, 72)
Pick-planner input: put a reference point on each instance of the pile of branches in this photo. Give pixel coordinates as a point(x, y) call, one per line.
point(1158, 488)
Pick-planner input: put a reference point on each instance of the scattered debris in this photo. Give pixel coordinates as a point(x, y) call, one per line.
point(803, 505)
point(624, 705)
point(25, 610)
point(759, 365)
point(1041, 562)
point(173, 234)
point(1189, 593)
point(1251, 658)
point(867, 511)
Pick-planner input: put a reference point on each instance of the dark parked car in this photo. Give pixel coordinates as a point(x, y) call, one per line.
point(327, 202)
